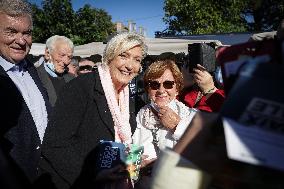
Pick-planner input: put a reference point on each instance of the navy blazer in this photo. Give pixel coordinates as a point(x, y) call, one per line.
point(80, 119)
point(19, 136)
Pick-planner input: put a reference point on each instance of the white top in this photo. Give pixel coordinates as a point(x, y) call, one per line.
point(148, 124)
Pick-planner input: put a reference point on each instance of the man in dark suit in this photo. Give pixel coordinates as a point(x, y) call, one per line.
point(53, 72)
point(24, 104)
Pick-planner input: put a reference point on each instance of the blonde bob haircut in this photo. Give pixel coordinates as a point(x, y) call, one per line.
point(157, 69)
point(123, 42)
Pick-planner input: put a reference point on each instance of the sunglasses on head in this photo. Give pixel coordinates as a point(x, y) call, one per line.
point(155, 85)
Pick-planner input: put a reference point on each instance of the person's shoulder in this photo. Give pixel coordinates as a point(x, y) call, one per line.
point(83, 81)
point(184, 107)
point(180, 104)
point(40, 69)
point(143, 109)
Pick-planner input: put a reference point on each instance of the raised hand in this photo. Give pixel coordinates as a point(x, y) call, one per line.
point(168, 118)
point(204, 80)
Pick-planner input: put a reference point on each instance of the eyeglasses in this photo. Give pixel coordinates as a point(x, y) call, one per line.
point(155, 85)
point(86, 68)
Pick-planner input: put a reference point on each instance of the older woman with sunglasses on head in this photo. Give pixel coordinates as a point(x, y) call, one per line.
point(161, 123)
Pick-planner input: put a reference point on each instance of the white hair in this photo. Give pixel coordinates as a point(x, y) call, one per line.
point(50, 42)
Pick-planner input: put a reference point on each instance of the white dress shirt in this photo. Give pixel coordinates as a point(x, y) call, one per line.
point(30, 92)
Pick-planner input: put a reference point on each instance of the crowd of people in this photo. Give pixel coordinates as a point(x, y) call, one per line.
point(57, 109)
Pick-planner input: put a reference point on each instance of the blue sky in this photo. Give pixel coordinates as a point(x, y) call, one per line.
point(145, 13)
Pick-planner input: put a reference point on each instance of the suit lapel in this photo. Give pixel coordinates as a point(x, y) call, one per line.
point(45, 80)
point(2, 72)
point(103, 109)
point(22, 122)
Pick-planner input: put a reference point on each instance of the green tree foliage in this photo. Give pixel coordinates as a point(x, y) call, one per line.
point(267, 14)
point(221, 16)
point(57, 17)
point(93, 24)
point(39, 35)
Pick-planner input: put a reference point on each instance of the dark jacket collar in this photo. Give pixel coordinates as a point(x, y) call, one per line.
point(32, 71)
point(106, 117)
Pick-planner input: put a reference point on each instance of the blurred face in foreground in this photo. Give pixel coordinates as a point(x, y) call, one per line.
point(124, 67)
point(15, 37)
point(163, 89)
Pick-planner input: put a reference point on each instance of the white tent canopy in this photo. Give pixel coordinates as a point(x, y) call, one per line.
point(156, 46)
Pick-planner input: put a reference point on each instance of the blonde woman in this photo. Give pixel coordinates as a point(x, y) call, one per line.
point(93, 107)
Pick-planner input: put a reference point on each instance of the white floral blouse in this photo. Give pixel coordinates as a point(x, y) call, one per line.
point(151, 134)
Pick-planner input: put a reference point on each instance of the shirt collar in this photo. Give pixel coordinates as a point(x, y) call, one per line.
point(49, 71)
point(8, 66)
point(172, 104)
